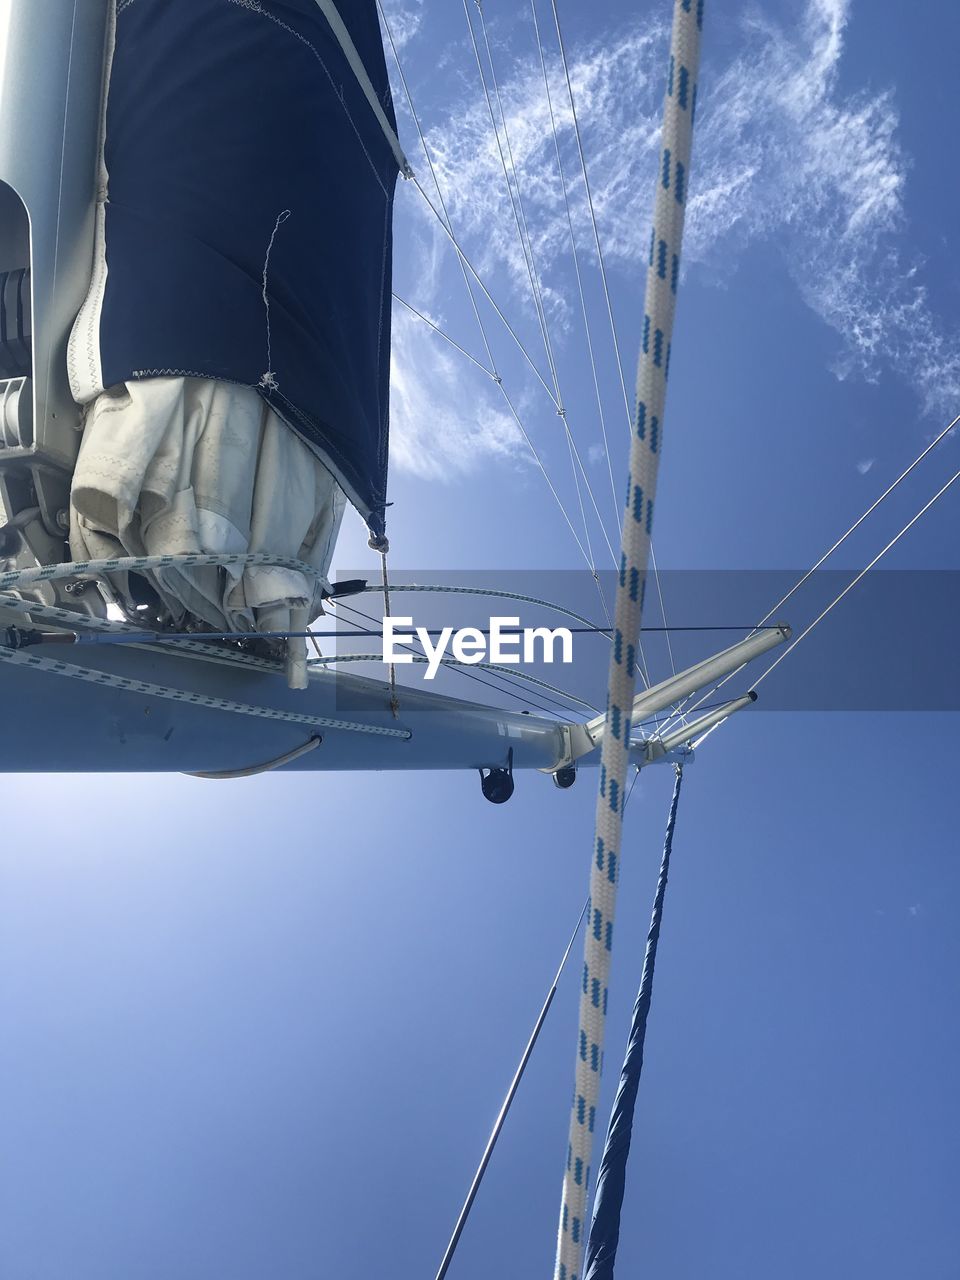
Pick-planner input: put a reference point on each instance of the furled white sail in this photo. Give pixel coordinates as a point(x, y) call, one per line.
point(171, 466)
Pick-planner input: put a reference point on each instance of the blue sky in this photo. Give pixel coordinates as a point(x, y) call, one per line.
point(262, 1029)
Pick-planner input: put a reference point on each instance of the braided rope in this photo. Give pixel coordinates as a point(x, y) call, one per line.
point(659, 307)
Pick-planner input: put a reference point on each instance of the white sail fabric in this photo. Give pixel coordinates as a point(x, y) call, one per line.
point(181, 465)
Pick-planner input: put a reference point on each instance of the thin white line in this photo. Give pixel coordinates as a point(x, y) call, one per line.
point(839, 543)
point(436, 328)
point(859, 578)
point(576, 266)
point(269, 379)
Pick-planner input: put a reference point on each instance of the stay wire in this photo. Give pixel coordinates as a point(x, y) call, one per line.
point(576, 266)
point(466, 265)
point(859, 578)
point(507, 1102)
point(526, 245)
point(836, 546)
point(443, 334)
point(436, 182)
point(504, 687)
point(523, 230)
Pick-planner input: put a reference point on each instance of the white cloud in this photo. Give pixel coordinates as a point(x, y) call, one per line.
point(783, 155)
point(405, 21)
point(443, 422)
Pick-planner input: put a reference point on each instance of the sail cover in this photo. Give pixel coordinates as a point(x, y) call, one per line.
point(245, 218)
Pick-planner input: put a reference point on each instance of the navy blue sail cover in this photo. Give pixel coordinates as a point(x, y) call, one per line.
point(245, 160)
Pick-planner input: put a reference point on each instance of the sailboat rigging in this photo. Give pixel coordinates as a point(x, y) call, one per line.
point(194, 384)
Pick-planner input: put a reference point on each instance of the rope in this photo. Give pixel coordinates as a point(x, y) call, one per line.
point(659, 311)
point(125, 632)
point(611, 1180)
point(603, 270)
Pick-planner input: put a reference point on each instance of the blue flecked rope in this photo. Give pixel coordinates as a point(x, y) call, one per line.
point(611, 1180)
point(660, 302)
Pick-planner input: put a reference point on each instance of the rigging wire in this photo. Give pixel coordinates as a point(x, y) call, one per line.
point(539, 461)
point(526, 244)
point(859, 578)
point(436, 181)
point(465, 266)
point(526, 241)
point(593, 215)
point(502, 687)
point(938, 439)
point(335, 659)
point(507, 679)
point(576, 267)
point(518, 213)
point(857, 523)
point(443, 334)
point(847, 589)
point(484, 290)
point(505, 1108)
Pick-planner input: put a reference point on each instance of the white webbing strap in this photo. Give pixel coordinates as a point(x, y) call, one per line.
point(660, 301)
point(329, 11)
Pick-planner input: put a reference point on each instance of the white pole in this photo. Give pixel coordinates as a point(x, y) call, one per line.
point(664, 695)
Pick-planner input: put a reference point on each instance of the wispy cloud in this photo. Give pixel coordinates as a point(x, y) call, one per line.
point(784, 155)
point(405, 21)
point(436, 431)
